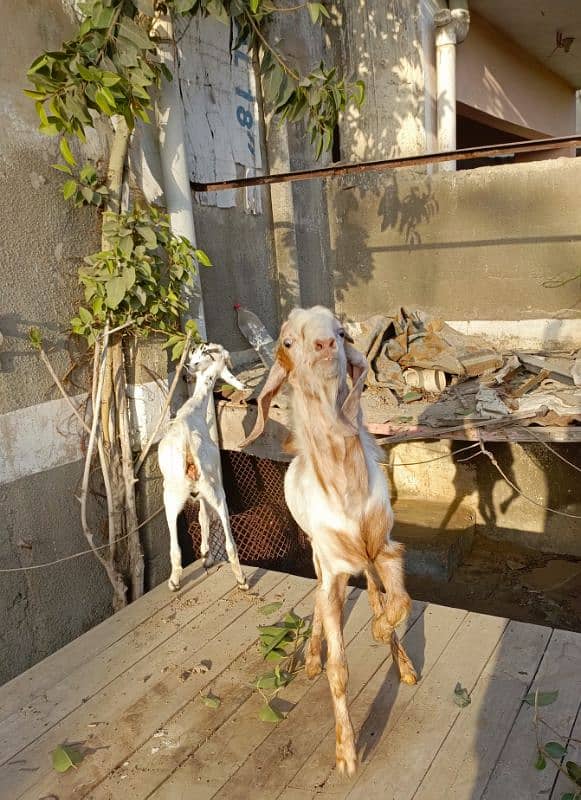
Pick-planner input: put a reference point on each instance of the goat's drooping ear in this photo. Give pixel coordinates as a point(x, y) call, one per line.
point(276, 377)
point(357, 367)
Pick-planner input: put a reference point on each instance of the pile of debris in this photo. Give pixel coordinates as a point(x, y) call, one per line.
point(426, 373)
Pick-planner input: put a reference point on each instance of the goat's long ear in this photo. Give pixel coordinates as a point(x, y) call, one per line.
point(357, 368)
point(276, 377)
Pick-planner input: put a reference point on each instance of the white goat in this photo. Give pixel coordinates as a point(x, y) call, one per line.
point(339, 496)
point(190, 462)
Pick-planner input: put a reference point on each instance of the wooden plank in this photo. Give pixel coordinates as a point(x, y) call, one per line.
point(130, 709)
point(309, 723)
point(514, 774)
point(234, 742)
point(58, 701)
point(463, 764)
point(382, 701)
point(421, 729)
point(195, 725)
point(32, 683)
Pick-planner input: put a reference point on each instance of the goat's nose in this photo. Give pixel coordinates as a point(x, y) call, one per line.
point(325, 344)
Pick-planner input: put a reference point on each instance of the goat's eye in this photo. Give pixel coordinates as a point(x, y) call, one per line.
point(342, 333)
point(287, 342)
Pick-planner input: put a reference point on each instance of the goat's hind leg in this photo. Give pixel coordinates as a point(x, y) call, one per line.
point(391, 608)
point(204, 520)
point(222, 510)
point(331, 596)
point(174, 499)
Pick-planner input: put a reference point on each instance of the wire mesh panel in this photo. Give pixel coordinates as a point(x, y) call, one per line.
point(264, 531)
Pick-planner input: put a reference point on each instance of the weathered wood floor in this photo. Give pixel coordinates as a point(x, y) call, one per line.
point(128, 692)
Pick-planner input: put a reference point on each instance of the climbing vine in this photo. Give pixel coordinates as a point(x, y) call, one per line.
point(135, 284)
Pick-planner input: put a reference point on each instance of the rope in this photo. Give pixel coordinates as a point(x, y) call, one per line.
point(82, 552)
point(522, 494)
point(552, 449)
point(429, 460)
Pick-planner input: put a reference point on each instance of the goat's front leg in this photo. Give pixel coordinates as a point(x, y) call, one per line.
point(222, 511)
point(313, 649)
point(391, 609)
point(174, 499)
point(331, 596)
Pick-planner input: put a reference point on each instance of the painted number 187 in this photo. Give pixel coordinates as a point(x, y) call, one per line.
point(243, 114)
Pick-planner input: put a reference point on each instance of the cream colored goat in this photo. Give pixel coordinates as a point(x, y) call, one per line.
point(338, 495)
point(190, 462)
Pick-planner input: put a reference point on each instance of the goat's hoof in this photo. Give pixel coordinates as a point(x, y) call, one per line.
point(243, 586)
point(381, 630)
point(313, 667)
point(408, 676)
point(208, 561)
point(173, 585)
point(346, 761)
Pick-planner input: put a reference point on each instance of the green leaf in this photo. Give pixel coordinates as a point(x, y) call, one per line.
point(543, 698)
point(35, 338)
point(541, 762)
point(293, 620)
point(115, 291)
point(110, 78)
point(360, 96)
point(129, 277)
point(178, 349)
point(148, 236)
point(66, 152)
point(202, 258)
point(129, 30)
point(254, 5)
point(461, 696)
point(314, 12)
point(555, 750)
point(270, 714)
point(145, 6)
point(62, 168)
point(269, 608)
point(211, 700)
point(103, 102)
point(85, 316)
point(275, 655)
point(574, 771)
point(570, 796)
point(267, 681)
point(69, 189)
point(65, 757)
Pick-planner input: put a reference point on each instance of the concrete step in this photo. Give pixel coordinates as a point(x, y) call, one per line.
point(436, 535)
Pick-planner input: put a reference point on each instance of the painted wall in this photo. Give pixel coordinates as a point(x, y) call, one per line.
point(42, 242)
point(468, 245)
point(495, 76)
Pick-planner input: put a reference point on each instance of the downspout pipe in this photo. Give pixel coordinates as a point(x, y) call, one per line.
point(451, 27)
point(171, 127)
point(174, 165)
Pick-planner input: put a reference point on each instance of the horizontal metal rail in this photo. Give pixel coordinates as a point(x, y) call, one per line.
point(336, 170)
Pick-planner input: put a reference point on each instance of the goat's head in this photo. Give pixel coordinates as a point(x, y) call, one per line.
point(210, 362)
point(315, 355)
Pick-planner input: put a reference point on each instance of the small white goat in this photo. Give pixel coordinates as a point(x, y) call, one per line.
point(190, 462)
point(338, 495)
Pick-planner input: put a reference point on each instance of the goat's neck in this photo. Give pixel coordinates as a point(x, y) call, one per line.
point(317, 416)
point(198, 402)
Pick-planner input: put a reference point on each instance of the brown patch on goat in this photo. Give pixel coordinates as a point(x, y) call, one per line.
point(284, 359)
point(289, 445)
point(192, 470)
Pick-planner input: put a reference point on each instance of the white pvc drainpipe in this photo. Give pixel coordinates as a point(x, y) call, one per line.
point(174, 165)
point(451, 26)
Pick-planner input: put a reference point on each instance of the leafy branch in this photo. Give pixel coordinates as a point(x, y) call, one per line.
point(553, 751)
point(282, 643)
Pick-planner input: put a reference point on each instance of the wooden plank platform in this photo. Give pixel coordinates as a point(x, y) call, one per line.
point(127, 693)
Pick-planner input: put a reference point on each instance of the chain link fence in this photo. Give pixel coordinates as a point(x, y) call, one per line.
point(265, 533)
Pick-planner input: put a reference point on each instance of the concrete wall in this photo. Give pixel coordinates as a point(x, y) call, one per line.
point(469, 245)
point(42, 243)
point(495, 76)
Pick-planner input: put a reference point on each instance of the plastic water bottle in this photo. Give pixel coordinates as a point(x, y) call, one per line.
point(256, 334)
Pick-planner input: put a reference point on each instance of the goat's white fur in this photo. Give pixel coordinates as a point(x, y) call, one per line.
point(190, 462)
point(338, 495)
